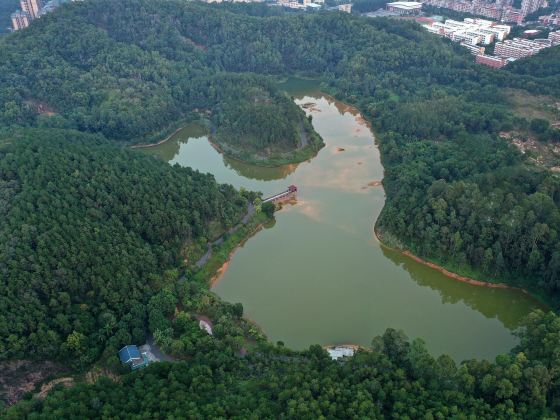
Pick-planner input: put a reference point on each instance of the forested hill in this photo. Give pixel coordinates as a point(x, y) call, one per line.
point(131, 68)
point(396, 379)
point(89, 233)
point(92, 233)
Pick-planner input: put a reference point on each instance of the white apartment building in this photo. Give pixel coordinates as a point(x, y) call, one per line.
point(517, 48)
point(472, 31)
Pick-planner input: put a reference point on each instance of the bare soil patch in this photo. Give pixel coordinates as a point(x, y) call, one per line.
point(19, 377)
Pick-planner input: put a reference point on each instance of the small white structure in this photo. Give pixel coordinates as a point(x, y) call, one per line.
point(340, 351)
point(204, 325)
point(347, 8)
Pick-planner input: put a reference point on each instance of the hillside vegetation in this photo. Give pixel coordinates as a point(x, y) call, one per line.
point(93, 235)
point(258, 124)
point(89, 233)
point(456, 192)
point(395, 379)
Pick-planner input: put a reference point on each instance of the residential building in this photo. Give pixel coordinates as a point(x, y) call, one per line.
point(554, 37)
point(131, 356)
point(473, 49)
point(491, 61)
point(345, 7)
point(517, 48)
point(550, 20)
point(512, 15)
point(20, 20)
point(530, 6)
point(471, 31)
point(32, 7)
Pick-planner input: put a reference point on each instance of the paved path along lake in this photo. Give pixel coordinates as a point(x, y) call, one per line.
point(319, 276)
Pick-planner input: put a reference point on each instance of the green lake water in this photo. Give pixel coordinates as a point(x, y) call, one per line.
point(319, 276)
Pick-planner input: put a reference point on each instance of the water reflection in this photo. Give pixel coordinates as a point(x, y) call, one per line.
point(509, 306)
point(259, 173)
point(320, 276)
point(170, 151)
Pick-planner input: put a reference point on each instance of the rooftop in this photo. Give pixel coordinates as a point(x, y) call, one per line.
point(129, 353)
point(405, 4)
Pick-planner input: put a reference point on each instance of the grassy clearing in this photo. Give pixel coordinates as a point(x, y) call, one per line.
point(529, 106)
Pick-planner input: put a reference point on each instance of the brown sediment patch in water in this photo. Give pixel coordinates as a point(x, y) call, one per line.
point(448, 273)
point(360, 163)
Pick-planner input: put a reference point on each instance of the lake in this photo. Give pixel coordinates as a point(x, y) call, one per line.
point(319, 276)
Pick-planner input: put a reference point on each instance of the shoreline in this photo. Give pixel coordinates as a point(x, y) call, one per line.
point(450, 274)
point(260, 163)
point(217, 276)
point(145, 146)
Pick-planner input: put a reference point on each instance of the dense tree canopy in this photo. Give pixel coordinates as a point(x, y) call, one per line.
point(394, 379)
point(91, 233)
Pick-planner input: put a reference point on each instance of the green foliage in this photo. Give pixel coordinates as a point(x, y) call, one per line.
point(268, 209)
point(88, 231)
point(395, 379)
point(91, 231)
point(255, 122)
point(538, 73)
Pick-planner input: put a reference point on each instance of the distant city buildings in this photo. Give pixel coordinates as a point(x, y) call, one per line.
point(20, 20)
point(550, 20)
point(530, 6)
point(501, 10)
point(472, 33)
point(33, 9)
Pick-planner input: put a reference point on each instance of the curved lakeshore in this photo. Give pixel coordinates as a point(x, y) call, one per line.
point(320, 276)
point(159, 143)
point(446, 272)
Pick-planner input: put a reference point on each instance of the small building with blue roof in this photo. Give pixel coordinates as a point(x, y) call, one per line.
point(131, 356)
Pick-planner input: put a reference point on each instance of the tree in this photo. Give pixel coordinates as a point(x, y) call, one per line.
point(268, 208)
